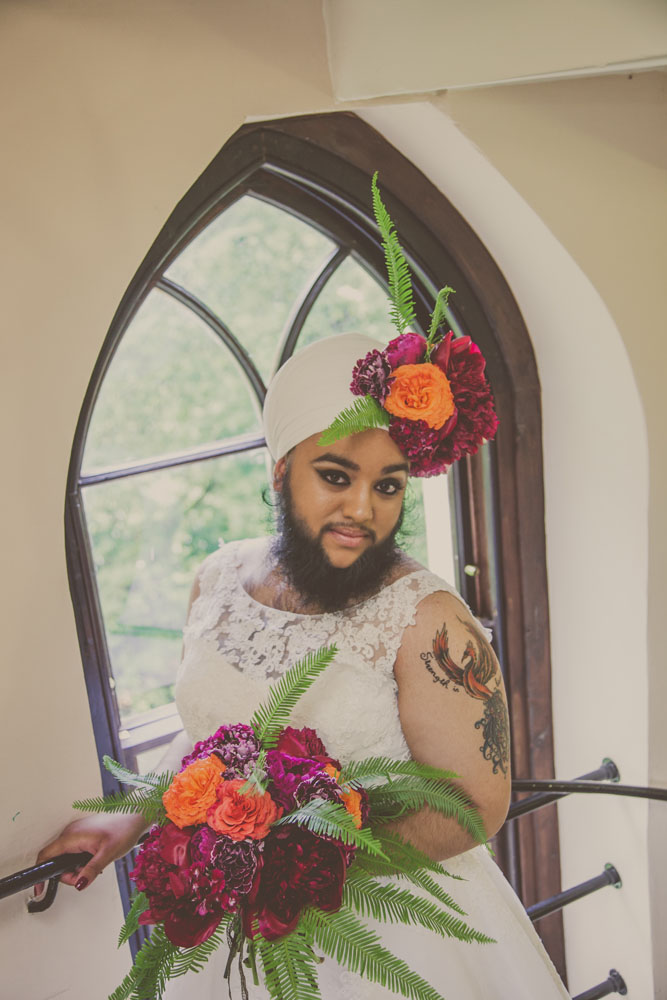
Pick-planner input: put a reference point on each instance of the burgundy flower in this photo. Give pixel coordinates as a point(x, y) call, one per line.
point(151, 871)
point(406, 349)
point(371, 376)
point(240, 861)
point(189, 929)
point(175, 845)
point(287, 774)
point(304, 743)
point(299, 869)
point(188, 886)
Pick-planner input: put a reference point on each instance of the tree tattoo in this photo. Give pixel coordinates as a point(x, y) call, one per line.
point(477, 676)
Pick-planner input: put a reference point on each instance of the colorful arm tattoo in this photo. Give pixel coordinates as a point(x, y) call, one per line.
point(477, 675)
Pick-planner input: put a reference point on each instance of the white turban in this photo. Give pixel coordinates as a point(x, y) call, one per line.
point(311, 389)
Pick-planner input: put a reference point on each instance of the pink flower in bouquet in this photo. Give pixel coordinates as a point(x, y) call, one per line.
point(299, 869)
point(239, 815)
point(406, 349)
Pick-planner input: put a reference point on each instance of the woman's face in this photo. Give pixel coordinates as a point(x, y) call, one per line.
point(349, 495)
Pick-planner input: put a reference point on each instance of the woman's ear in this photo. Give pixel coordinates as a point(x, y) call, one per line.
point(279, 470)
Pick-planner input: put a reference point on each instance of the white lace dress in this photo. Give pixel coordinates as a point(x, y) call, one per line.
point(234, 648)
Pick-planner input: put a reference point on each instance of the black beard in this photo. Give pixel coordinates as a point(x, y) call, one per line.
point(307, 567)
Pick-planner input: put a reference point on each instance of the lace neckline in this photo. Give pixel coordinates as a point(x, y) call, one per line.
point(350, 609)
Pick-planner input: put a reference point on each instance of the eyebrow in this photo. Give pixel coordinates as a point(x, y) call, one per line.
point(329, 456)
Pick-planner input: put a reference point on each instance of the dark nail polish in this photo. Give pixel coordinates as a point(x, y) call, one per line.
point(82, 883)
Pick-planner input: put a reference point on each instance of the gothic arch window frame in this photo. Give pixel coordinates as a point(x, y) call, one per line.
point(319, 167)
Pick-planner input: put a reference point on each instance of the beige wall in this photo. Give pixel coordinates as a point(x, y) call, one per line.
point(383, 47)
point(115, 109)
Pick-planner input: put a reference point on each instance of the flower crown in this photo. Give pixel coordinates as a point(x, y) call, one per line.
point(431, 392)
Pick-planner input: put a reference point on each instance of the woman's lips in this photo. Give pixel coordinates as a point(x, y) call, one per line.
point(348, 539)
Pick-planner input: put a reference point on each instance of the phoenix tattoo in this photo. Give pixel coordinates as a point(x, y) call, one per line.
point(476, 675)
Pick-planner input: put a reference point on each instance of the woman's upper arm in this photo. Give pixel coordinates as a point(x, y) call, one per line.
point(452, 703)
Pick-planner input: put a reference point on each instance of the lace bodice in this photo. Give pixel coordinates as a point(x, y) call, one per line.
point(235, 647)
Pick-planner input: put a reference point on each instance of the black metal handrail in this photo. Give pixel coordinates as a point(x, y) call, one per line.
point(606, 772)
point(47, 871)
point(613, 984)
point(609, 876)
point(566, 787)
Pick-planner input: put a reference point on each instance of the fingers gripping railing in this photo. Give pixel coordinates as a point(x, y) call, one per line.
point(48, 872)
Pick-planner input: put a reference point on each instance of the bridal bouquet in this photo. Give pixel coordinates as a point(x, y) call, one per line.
point(264, 843)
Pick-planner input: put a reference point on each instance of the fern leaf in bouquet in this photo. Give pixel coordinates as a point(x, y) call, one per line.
point(343, 937)
point(127, 777)
point(139, 905)
point(363, 415)
point(148, 804)
point(270, 718)
point(398, 273)
point(331, 819)
point(290, 967)
point(393, 904)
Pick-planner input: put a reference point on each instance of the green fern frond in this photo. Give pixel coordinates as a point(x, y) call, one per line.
point(139, 905)
point(437, 316)
point(344, 938)
point(364, 414)
point(331, 819)
point(401, 857)
point(273, 716)
point(289, 966)
point(151, 971)
point(127, 777)
point(393, 904)
point(410, 793)
point(402, 312)
point(371, 770)
point(148, 804)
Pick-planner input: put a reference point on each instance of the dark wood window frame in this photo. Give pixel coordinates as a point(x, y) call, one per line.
point(319, 167)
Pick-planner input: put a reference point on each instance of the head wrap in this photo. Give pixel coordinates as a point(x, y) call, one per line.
point(311, 389)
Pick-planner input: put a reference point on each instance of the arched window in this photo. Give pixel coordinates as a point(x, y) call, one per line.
point(272, 248)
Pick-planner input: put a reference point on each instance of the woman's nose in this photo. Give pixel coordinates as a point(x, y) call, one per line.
point(357, 503)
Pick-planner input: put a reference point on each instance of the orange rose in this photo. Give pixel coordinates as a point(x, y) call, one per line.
point(242, 815)
point(192, 792)
point(421, 392)
point(351, 799)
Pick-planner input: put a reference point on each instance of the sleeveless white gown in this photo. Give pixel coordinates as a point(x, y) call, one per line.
point(234, 648)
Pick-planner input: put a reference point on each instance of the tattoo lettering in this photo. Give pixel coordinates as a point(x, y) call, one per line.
point(475, 674)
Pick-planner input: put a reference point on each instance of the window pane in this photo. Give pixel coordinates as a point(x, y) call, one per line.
point(352, 302)
point(149, 533)
point(172, 385)
point(250, 265)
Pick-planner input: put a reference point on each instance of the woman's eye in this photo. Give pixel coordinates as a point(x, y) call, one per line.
point(333, 476)
point(390, 487)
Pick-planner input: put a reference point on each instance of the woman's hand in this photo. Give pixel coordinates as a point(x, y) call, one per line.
point(105, 836)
